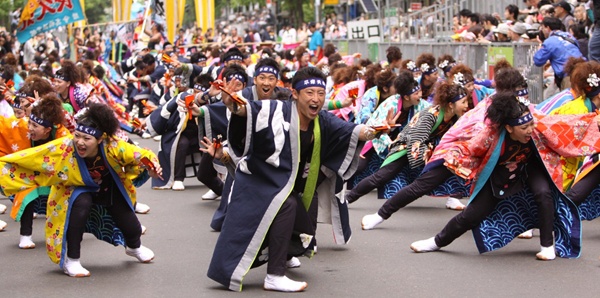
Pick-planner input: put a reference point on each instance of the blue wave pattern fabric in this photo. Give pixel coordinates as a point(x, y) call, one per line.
point(101, 225)
point(518, 213)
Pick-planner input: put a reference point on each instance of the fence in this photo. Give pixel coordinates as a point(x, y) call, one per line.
point(479, 57)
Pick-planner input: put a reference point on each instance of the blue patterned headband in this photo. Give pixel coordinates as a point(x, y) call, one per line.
point(523, 92)
point(40, 121)
point(521, 120)
point(200, 87)
point(458, 97)
point(266, 69)
point(59, 76)
point(313, 82)
point(413, 90)
point(16, 105)
point(89, 130)
point(236, 76)
point(234, 57)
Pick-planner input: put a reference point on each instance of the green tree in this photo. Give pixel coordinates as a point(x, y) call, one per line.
point(95, 11)
point(6, 8)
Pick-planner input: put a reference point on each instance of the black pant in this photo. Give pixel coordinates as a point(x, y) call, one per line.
point(378, 179)
point(280, 234)
point(123, 216)
point(292, 217)
point(188, 143)
point(423, 185)
point(485, 202)
point(584, 187)
point(208, 175)
point(27, 220)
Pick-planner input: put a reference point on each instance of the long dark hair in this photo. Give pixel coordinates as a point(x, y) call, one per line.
point(504, 107)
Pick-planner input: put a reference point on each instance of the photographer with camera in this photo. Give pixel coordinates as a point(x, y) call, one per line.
point(558, 47)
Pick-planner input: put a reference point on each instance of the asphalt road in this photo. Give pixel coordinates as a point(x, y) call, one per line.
point(375, 263)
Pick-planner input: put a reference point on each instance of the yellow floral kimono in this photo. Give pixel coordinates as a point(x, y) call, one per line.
point(14, 138)
point(56, 164)
point(570, 165)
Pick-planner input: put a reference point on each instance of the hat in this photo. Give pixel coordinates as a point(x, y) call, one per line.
point(518, 28)
point(566, 6)
point(502, 28)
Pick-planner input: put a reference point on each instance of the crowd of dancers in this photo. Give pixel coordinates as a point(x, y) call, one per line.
point(286, 143)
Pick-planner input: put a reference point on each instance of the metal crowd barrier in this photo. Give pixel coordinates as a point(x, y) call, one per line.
point(479, 57)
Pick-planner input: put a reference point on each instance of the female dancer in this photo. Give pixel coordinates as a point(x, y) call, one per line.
point(435, 173)
point(412, 145)
point(91, 172)
point(505, 162)
point(45, 124)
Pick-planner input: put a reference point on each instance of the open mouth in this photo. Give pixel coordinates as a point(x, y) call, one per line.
point(314, 109)
point(266, 90)
point(81, 151)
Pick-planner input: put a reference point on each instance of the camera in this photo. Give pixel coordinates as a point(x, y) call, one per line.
point(533, 33)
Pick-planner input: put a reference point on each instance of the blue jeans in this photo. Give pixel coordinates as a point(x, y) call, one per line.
point(594, 45)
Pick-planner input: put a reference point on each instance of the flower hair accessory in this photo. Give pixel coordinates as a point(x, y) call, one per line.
point(424, 67)
point(412, 66)
point(524, 100)
point(444, 64)
point(593, 80)
point(325, 70)
point(459, 79)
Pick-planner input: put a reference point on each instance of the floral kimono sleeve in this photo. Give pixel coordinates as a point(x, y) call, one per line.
point(46, 165)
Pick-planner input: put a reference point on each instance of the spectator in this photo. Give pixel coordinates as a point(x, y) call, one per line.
point(582, 18)
point(316, 41)
point(489, 24)
point(289, 35)
point(472, 20)
point(248, 36)
point(557, 48)
point(547, 11)
point(511, 13)
point(562, 10)
point(516, 32)
point(235, 38)
point(579, 32)
point(594, 46)
point(501, 33)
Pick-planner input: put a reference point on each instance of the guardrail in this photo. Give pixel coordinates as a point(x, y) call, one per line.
point(479, 57)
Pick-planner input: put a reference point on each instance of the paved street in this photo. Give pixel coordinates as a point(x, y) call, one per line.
point(376, 263)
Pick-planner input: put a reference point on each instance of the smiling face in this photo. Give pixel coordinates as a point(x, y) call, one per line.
point(521, 133)
point(310, 101)
point(86, 145)
point(265, 85)
point(38, 132)
point(460, 107)
point(59, 85)
point(412, 100)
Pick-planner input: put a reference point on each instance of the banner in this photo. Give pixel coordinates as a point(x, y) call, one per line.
point(40, 16)
point(205, 14)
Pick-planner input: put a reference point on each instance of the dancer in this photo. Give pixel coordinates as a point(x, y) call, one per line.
point(91, 172)
point(45, 124)
point(272, 202)
point(505, 162)
point(435, 173)
point(414, 144)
